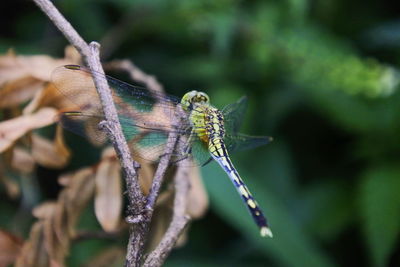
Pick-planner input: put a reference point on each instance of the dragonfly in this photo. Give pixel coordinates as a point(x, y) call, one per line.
point(146, 118)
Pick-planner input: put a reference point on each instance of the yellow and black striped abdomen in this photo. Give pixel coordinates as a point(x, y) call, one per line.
point(220, 154)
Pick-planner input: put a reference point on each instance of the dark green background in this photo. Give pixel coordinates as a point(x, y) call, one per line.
point(322, 79)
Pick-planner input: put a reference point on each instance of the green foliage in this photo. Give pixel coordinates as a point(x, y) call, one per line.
point(380, 215)
point(322, 78)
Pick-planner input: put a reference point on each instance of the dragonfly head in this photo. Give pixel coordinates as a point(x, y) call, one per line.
point(194, 97)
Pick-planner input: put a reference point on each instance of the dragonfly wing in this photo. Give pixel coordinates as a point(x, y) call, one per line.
point(240, 142)
point(146, 143)
point(145, 117)
point(84, 125)
point(138, 103)
point(233, 115)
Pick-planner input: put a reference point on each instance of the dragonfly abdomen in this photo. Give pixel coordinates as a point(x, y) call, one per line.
point(219, 153)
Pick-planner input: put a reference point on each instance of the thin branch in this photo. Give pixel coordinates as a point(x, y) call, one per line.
point(136, 74)
point(86, 235)
point(139, 210)
point(90, 53)
point(178, 223)
point(64, 26)
point(164, 162)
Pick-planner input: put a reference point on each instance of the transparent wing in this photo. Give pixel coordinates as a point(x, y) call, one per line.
point(233, 115)
point(146, 117)
point(136, 103)
point(240, 142)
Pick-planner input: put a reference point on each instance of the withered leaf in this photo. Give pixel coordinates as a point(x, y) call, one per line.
point(34, 253)
point(113, 256)
point(22, 161)
point(10, 247)
point(40, 67)
point(13, 129)
point(19, 91)
point(45, 210)
point(22, 76)
point(197, 196)
point(108, 197)
point(76, 196)
point(50, 154)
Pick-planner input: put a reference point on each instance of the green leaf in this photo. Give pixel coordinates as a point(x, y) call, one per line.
point(380, 210)
point(290, 246)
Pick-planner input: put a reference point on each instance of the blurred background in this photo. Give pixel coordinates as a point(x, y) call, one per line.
point(322, 79)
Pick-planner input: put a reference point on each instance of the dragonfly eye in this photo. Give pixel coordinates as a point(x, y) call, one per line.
point(194, 97)
point(203, 97)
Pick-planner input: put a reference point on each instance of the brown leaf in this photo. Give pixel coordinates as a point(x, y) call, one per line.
point(49, 96)
point(22, 161)
point(13, 129)
point(56, 234)
point(44, 210)
point(19, 91)
point(22, 76)
point(50, 154)
point(12, 188)
point(108, 197)
point(146, 174)
point(50, 237)
point(75, 197)
point(33, 253)
point(161, 219)
point(40, 67)
point(113, 256)
point(197, 196)
point(10, 247)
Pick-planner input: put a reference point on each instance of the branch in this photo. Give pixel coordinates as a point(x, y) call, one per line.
point(178, 223)
point(90, 54)
point(139, 211)
point(136, 74)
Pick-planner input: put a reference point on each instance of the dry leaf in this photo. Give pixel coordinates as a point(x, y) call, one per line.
point(44, 210)
point(197, 196)
point(108, 197)
point(146, 174)
point(50, 237)
point(76, 196)
point(40, 67)
point(10, 247)
point(22, 161)
point(113, 256)
point(12, 187)
point(161, 220)
point(13, 129)
point(34, 253)
point(50, 96)
point(50, 154)
point(22, 76)
point(19, 91)
point(56, 233)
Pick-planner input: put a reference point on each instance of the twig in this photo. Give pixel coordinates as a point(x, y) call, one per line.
point(90, 54)
point(161, 169)
point(140, 209)
point(136, 74)
point(178, 223)
point(85, 235)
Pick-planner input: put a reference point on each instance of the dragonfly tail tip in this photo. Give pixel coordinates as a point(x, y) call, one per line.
point(265, 231)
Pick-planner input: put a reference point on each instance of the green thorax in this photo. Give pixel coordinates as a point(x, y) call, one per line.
point(207, 121)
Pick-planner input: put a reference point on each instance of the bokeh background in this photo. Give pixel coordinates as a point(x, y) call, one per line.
point(322, 79)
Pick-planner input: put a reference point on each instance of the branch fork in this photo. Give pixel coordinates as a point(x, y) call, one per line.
point(137, 201)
